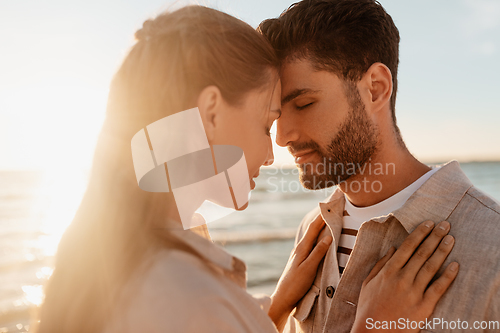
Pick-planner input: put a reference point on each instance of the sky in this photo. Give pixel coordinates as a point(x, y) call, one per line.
point(57, 58)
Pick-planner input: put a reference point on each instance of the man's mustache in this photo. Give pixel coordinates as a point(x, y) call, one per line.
point(297, 147)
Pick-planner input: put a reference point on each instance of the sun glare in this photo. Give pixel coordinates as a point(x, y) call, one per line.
point(54, 123)
point(34, 294)
point(58, 130)
point(60, 196)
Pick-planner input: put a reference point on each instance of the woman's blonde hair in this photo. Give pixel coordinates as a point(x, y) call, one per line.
point(117, 225)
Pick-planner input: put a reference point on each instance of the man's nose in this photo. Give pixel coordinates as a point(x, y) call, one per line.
point(287, 130)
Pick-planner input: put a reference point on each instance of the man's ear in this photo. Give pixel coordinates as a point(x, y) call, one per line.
point(377, 84)
point(210, 105)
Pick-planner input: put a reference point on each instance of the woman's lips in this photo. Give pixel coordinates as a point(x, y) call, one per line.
point(302, 157)
point(252, 184)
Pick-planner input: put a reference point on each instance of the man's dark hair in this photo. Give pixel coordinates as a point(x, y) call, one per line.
point(341, 36)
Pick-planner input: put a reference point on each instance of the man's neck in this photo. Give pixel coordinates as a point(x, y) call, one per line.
point(384, 175)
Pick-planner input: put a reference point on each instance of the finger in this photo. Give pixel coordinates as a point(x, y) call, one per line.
point(380, 264)
point(431, 266)
point(307, 241)
point(439, 287)
point(409, 245)
point(312, 261)
point(426, 249)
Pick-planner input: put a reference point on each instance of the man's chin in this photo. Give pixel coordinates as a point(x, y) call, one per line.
point(316, 182)
point(319, 182)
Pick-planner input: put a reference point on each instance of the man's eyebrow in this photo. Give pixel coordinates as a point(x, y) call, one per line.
point(296, 93)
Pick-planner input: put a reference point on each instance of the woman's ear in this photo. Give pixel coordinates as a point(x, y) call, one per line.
point(210, 105)
point(377, 84)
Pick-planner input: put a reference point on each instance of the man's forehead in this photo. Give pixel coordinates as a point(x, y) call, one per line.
point(300, 74)
point(294, 75)
point(300, 77)
point(291, 66)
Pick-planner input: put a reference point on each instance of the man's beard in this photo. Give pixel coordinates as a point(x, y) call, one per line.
point(353, 147)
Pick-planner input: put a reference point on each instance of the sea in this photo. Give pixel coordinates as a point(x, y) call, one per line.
point(36, 207)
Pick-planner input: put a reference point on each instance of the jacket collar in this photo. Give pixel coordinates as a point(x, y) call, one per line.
point(435, 200)
point(211, 253)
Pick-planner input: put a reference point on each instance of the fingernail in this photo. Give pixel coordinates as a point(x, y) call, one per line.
point(454, 266)
point(327, 240)
point(443, 225)
point(448, 239)
point(429, 224)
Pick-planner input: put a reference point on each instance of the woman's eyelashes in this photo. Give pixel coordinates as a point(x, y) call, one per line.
point(302, 107)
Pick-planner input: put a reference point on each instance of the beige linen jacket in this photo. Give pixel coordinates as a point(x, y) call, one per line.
point(200, 290)
point(447, 195)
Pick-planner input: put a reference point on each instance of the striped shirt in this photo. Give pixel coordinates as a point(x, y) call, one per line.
point(355, 216)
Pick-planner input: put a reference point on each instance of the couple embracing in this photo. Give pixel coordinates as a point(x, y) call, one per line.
point(326, 72)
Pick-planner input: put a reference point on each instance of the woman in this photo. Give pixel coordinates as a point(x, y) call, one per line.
point(125, 264)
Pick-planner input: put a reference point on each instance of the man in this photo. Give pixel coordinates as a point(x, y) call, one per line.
point(339, 82)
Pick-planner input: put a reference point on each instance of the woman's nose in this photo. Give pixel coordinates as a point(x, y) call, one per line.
point(270, 154)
